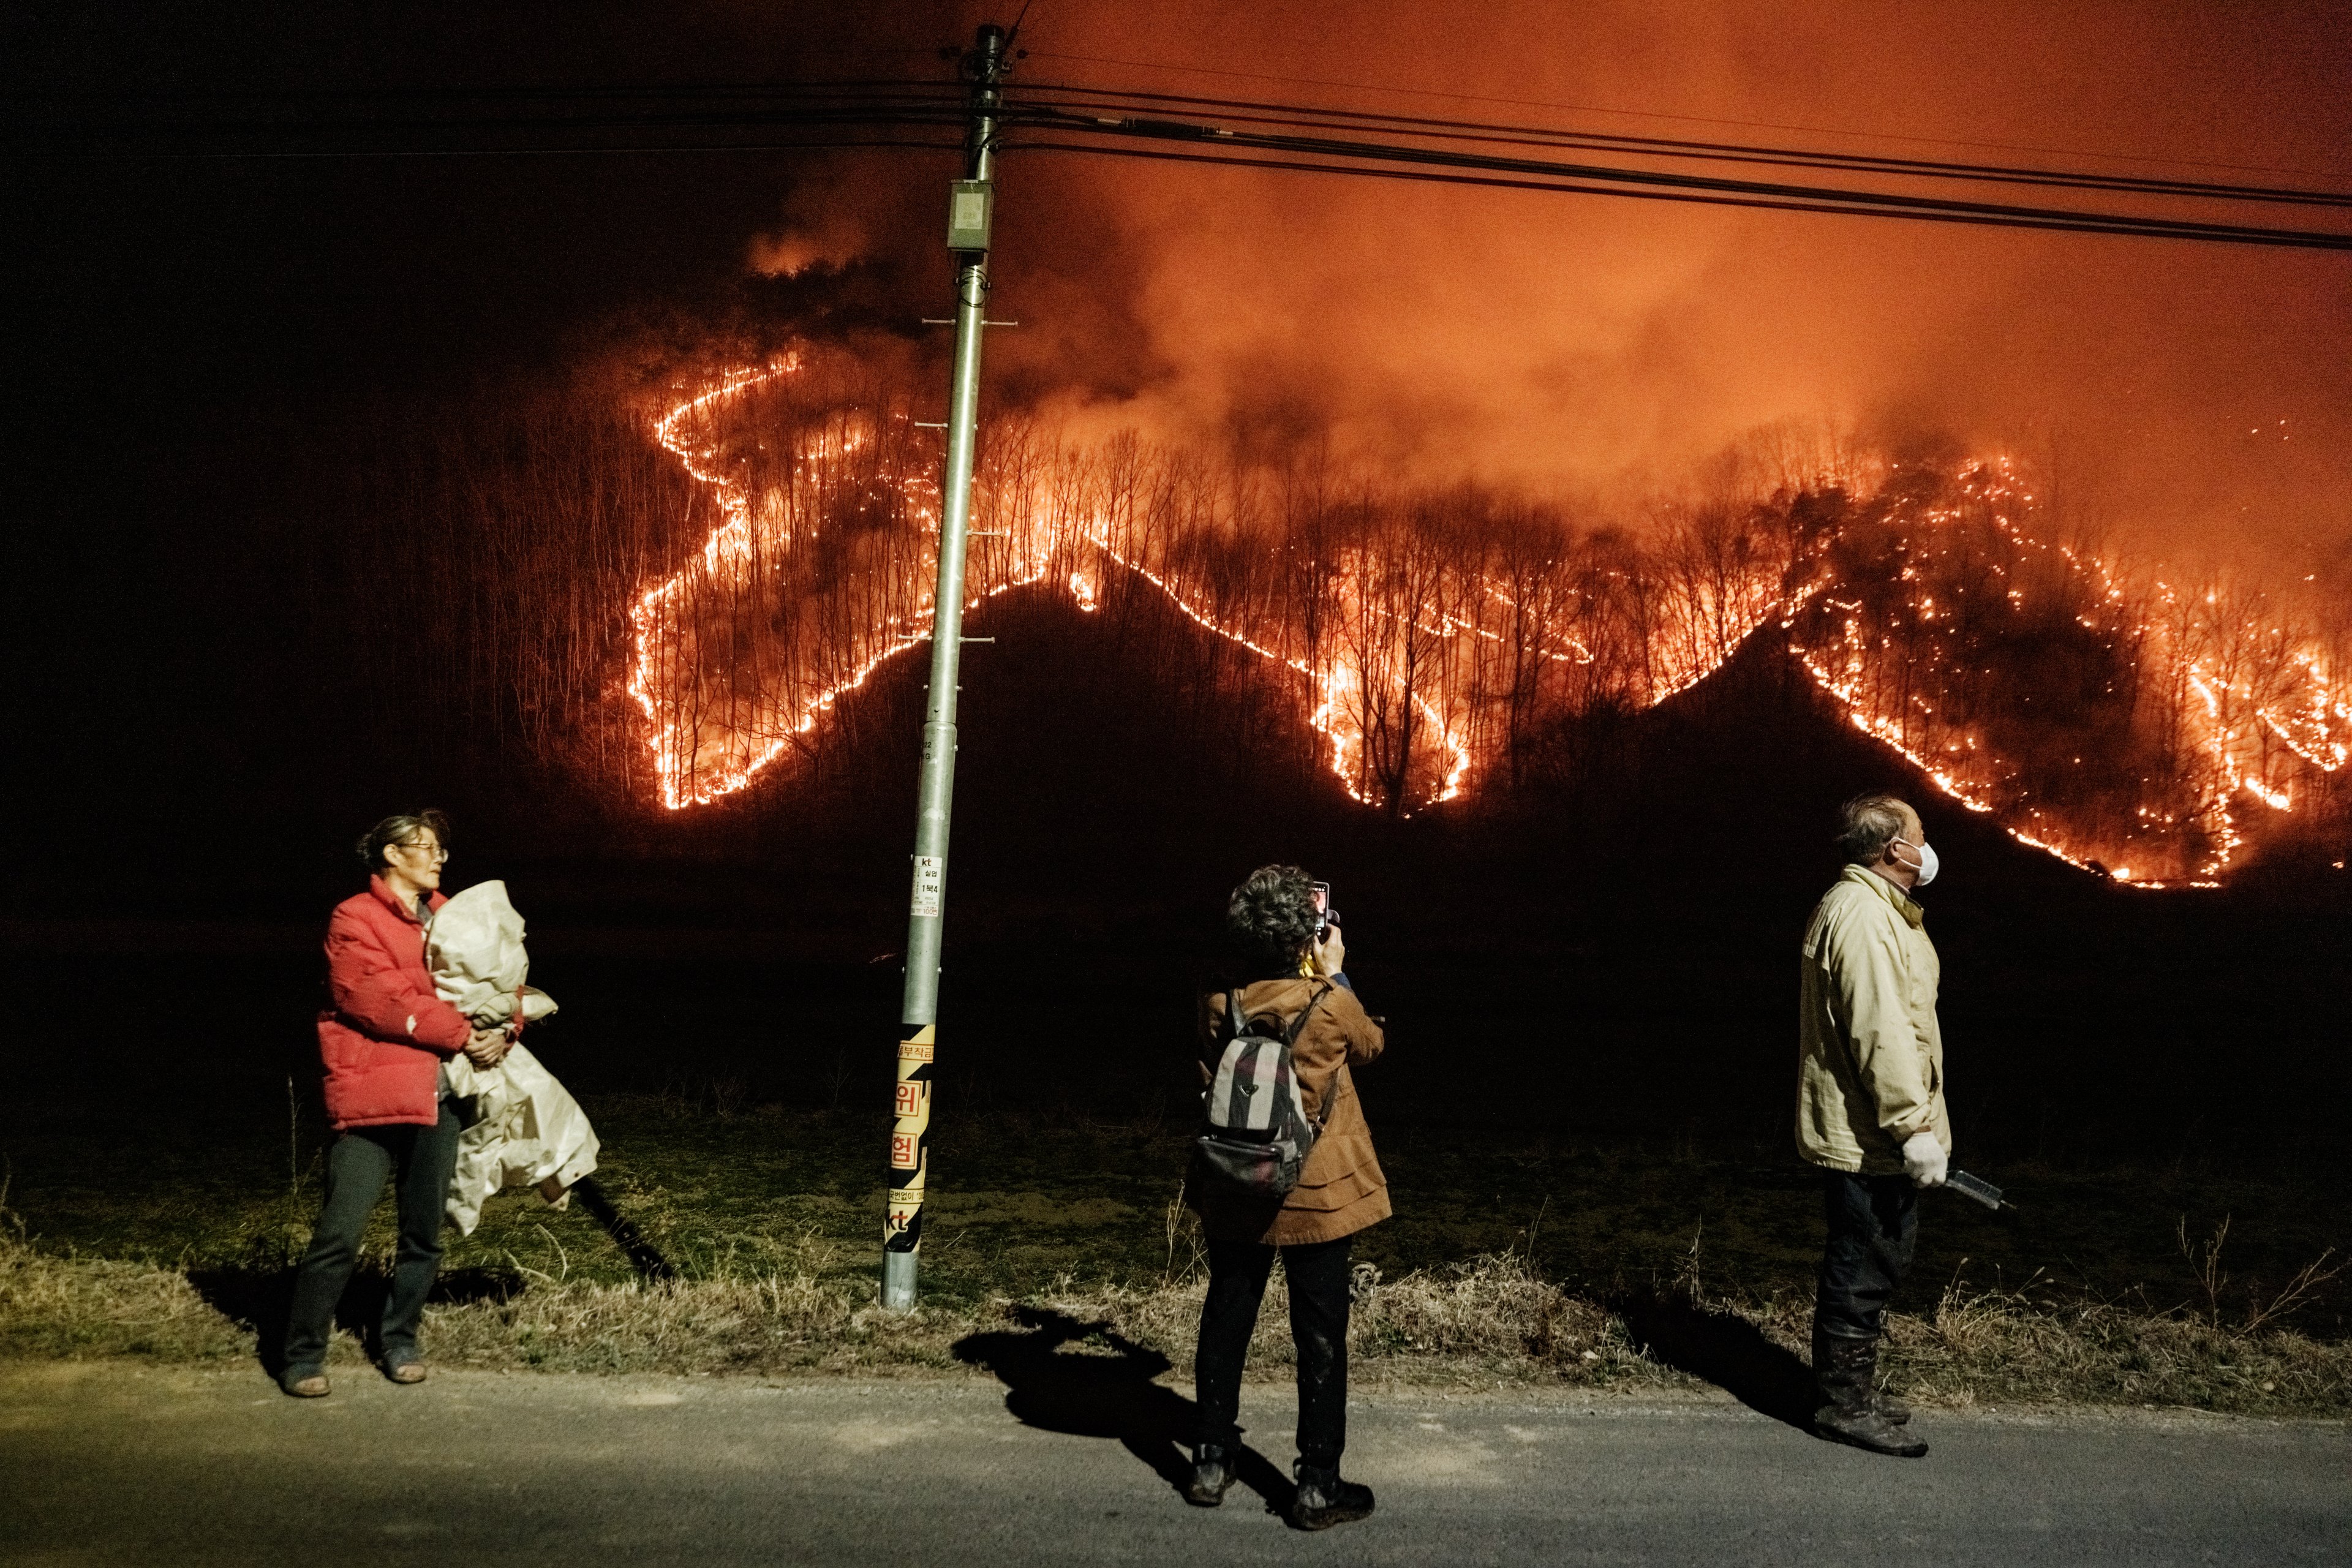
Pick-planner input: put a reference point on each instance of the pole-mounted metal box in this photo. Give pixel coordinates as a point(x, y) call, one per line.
point(970, 203)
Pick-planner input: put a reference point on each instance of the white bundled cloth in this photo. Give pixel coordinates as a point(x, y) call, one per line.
point(527, 1129)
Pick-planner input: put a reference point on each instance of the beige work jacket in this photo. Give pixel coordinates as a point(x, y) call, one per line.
point(1870, 1055)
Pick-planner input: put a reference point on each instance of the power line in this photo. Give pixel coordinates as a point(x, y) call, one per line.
point(460, 122)
point(1717, 194)
point(719, 105)
point(639, 120)
point(1684, 119)
point(1542, 174)
point(599, 150)
point(1528, 135)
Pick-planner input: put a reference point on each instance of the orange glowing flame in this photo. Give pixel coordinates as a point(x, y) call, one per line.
point(1917, 600)
point(2194, 706)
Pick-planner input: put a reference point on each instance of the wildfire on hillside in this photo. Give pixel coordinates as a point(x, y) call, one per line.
point(2126, 723)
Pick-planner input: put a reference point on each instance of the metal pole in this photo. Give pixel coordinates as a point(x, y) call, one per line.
point(968, 224)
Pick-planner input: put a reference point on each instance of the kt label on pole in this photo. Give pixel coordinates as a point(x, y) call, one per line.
point(970, 204)
point(930, 887)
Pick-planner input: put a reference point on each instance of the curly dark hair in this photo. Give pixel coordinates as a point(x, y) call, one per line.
point(399, 828)
point(1271, 919)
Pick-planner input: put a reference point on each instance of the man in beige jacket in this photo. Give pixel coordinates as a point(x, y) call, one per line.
point(1870, 1104)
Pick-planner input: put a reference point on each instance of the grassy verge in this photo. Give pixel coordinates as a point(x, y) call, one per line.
point(1590, 1268)
point(1487, 1322)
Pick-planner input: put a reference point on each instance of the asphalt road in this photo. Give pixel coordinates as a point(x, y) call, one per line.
point(110, 1462)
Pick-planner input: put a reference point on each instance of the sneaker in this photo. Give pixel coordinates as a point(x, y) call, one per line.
point(1324, 1499)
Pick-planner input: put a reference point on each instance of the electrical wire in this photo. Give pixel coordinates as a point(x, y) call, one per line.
point(1701, 194)
point(459, 122)
point(712, 116)
point(1683, 119)
point(599, 150)
point(1527, 135)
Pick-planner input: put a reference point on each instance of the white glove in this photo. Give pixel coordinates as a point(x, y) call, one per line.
point(1923, 1160)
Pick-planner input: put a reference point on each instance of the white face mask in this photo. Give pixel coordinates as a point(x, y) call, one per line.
point(1927, 862)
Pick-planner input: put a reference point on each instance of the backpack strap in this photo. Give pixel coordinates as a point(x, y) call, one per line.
point(1233, 1019)
point(1290, 1037)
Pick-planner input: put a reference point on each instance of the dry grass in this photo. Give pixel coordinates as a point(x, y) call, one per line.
point(2000, 1348)
point(84, 1306)
point(1493, 1320)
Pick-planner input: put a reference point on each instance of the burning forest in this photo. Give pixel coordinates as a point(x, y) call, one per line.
point(2144, 728)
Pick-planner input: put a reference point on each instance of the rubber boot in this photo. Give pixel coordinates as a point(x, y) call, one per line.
point(1845, 1372)
point(1212, 1472)
point(1324, 1499)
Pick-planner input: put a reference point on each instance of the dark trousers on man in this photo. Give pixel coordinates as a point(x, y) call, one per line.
point(420, 1160)
point(1319, 1277)
point(1873, 1224)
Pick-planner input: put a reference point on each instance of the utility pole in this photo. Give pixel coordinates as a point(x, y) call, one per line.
point(969, 205)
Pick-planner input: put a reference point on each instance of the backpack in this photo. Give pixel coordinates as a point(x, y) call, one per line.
point(1257, 1135)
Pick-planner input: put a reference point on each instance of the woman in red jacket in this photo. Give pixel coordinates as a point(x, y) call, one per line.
point(383, 1041)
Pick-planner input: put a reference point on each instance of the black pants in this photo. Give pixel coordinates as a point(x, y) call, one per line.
point(421, 1159)
point(1318, 1276)
point(1873, 1224)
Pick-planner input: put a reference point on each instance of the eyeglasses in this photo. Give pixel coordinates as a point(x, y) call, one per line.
point(434, 850)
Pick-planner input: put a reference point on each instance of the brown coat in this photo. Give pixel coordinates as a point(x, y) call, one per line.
point(1341, 1190)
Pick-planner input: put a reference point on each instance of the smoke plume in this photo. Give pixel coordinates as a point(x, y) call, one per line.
point(2192, 398)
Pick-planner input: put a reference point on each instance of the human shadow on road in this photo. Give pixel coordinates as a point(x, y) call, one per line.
point(1725, 1349)
point(1065, 1375)
point(260, 1298)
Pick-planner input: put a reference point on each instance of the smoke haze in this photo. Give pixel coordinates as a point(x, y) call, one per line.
point(2194, 399)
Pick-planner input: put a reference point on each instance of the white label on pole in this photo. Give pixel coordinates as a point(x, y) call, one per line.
point(930, 882)
point(970, 210)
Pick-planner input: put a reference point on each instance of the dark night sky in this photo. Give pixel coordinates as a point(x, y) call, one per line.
point(175, 324)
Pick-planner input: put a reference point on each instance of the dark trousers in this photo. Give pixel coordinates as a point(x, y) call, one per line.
point(1318, 1277)
point(1873, 1224)
point(421, 1160)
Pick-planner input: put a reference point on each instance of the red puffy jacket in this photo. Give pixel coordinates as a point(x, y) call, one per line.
point(383, 1038)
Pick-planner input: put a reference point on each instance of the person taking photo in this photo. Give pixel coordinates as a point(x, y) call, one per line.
point(1290, 963)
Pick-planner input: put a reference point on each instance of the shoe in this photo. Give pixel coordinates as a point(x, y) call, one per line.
point(1324, 1499)
point(1851, 1410)
point(310, 1385)
point(1212, 1472)
point(405, 1371)
point(1880, 1400)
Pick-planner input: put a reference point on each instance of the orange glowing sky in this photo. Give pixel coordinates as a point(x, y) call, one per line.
point(2185, 406)
point(2198, 397)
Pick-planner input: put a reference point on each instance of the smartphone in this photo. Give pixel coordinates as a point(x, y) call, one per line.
point(1323, 918)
